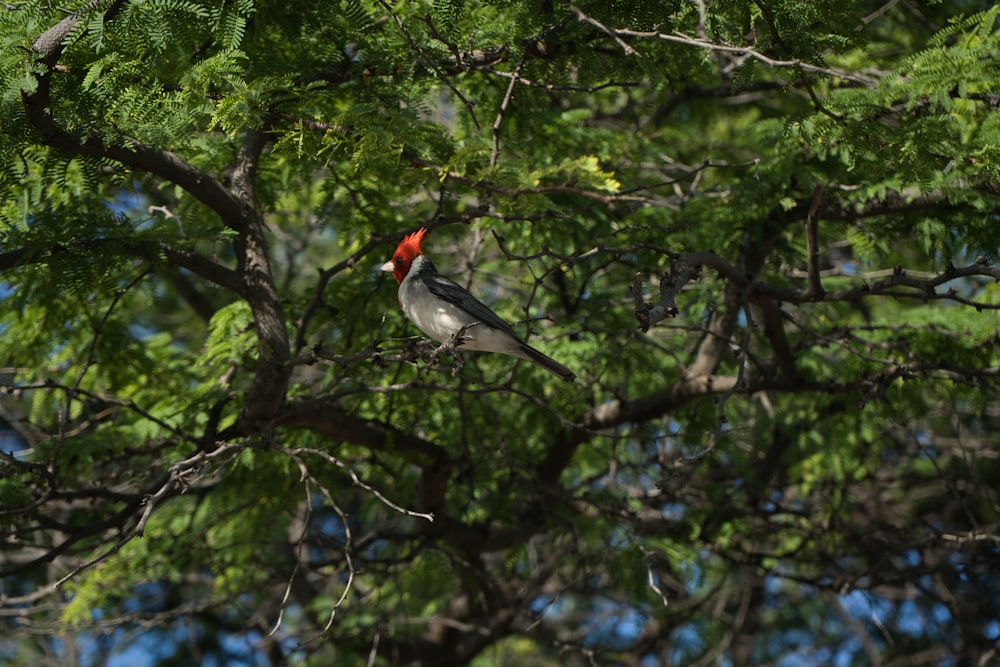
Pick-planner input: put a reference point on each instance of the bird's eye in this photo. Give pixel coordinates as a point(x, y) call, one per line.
point(399, 261)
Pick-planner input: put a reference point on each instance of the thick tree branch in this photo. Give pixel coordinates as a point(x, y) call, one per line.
point(623, 411)
point(272, 373)
point(322, 416)
point(186, 259)
point(50, 43)
point(202, 266)
point(774, 330)
point(925, 289)
point(893, 202)
point(325, 417)
point(237, 209)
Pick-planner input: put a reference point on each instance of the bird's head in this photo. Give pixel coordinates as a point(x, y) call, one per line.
point(407, 250)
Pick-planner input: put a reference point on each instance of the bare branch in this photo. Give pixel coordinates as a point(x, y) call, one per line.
point(495, 154)
point(680, 38)
point(924, 289)
point(682, 272)
point(297, 452)
point(180, 475)
point(613, 34)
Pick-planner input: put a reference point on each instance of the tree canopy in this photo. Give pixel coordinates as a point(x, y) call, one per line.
point(760, 233)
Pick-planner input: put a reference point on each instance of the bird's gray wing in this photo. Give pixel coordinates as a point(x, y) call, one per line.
point(448, 290)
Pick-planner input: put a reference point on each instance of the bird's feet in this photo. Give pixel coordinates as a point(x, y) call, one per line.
point(451, 346)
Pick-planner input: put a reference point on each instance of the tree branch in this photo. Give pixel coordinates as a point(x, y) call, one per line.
point(613, 34)
point(150, 250)
point(322, 416)
point(623, 411)
point(922, 289)
point(680, 38)
point(271, 376)
point(774, 330)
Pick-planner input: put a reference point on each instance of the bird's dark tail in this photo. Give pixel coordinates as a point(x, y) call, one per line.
point(548, 363)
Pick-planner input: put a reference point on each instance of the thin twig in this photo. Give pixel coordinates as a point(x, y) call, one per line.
point(651, 581)
point(326, 456)
point(680, 38)
point(351, 571)
point(551, 87)
point(175, 475)
point(613, 34)
point(495, 155)
point(299, 549)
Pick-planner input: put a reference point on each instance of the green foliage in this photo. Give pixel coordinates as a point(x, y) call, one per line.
point(196, 345)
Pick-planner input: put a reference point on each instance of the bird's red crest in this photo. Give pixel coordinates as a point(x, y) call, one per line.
point(410, 245)
point(405, 253)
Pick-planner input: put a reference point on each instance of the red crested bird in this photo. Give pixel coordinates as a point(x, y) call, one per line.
point(448, 313)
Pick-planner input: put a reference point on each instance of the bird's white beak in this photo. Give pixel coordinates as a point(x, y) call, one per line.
point(388, 266)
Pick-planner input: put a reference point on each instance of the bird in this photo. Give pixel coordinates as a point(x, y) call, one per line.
point(448, 313)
